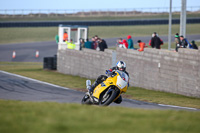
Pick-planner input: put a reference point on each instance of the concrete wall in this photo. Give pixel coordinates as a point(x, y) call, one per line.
point(152, 69)
point(86, 63)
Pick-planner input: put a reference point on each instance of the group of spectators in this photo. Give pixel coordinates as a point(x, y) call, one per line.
point(96, 44)
point(99, 44)
point(182, 42)
point(127, 44)
point(156, 42)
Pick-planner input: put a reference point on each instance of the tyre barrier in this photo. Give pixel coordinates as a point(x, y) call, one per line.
point(50, 63)
point(97, 23)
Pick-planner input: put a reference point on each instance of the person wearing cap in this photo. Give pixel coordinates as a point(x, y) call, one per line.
point(125, 44)
point(177, 42)
point(130, 42)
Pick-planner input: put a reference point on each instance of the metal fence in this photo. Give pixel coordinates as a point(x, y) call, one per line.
point(91, 12)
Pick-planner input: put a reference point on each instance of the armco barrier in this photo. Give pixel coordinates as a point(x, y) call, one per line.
point(96, 23)
point(152, 69)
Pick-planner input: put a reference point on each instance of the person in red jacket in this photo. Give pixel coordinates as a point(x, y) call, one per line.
point(125, 43)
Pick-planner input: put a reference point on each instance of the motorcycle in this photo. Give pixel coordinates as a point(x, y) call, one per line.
point(108, 91)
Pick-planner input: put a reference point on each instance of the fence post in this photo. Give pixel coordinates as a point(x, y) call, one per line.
point(22, 13)
point(13, 13)
point(5, 13)
point(114, 56)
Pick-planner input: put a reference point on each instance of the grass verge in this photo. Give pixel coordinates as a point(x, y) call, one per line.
point(50, 117)
point(33, 34)
point(34, 70)
point(96, 17)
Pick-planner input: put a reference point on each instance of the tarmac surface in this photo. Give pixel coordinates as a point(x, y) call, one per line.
point(16, 87)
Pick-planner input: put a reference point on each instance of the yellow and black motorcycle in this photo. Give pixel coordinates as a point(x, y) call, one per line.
point(108, 91)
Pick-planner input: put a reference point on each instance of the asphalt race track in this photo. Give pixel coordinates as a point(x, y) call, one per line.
point(17, 87)
point(25, 52)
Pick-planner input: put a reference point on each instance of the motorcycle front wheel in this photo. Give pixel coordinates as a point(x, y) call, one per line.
point(108, 98)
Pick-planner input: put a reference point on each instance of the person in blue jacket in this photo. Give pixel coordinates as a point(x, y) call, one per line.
point(88, 44)
point(130, 42)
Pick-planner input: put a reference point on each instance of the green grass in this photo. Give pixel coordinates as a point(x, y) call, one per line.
point(141, 30)
point(83, 18)
point(34, 70)
point(22, 35)
point(50, 117)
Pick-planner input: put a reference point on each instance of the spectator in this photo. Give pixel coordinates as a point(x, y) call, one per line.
point(142, 45)
point(119, 43)
point(95, 42)
point(183, 41)
point(82, 43)
point(102, 44)
point(70, 45)
point(130, 42)
point(156, 41)
point(57, 39)
point(160, 40)
point(177, 41)
point(125, 44)
point(194, 46)
point(88, 44)
point(65, 37)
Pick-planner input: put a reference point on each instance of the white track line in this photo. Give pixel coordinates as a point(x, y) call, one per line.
point(173, 106)
point(34, 80)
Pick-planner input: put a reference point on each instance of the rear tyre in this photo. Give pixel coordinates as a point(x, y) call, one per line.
point(86, 100)
point(108, 98)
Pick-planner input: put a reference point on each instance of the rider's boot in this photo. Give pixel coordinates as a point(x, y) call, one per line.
point(91, 88)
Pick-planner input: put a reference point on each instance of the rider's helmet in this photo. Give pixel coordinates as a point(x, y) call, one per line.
point(121, 66)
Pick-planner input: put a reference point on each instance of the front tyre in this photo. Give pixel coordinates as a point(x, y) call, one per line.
point(108, 98)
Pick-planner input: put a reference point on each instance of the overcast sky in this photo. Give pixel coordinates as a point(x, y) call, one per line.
point(90, 4)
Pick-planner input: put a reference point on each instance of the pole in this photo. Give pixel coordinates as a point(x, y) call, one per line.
point(183, 18)
point(170, 25)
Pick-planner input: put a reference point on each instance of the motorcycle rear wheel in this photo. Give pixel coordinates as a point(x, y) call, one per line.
point(86, 100)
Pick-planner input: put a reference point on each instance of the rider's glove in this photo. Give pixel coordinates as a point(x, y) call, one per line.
point(108, 72)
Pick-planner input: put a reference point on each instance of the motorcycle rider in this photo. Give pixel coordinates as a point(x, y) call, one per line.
point(121, 66)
